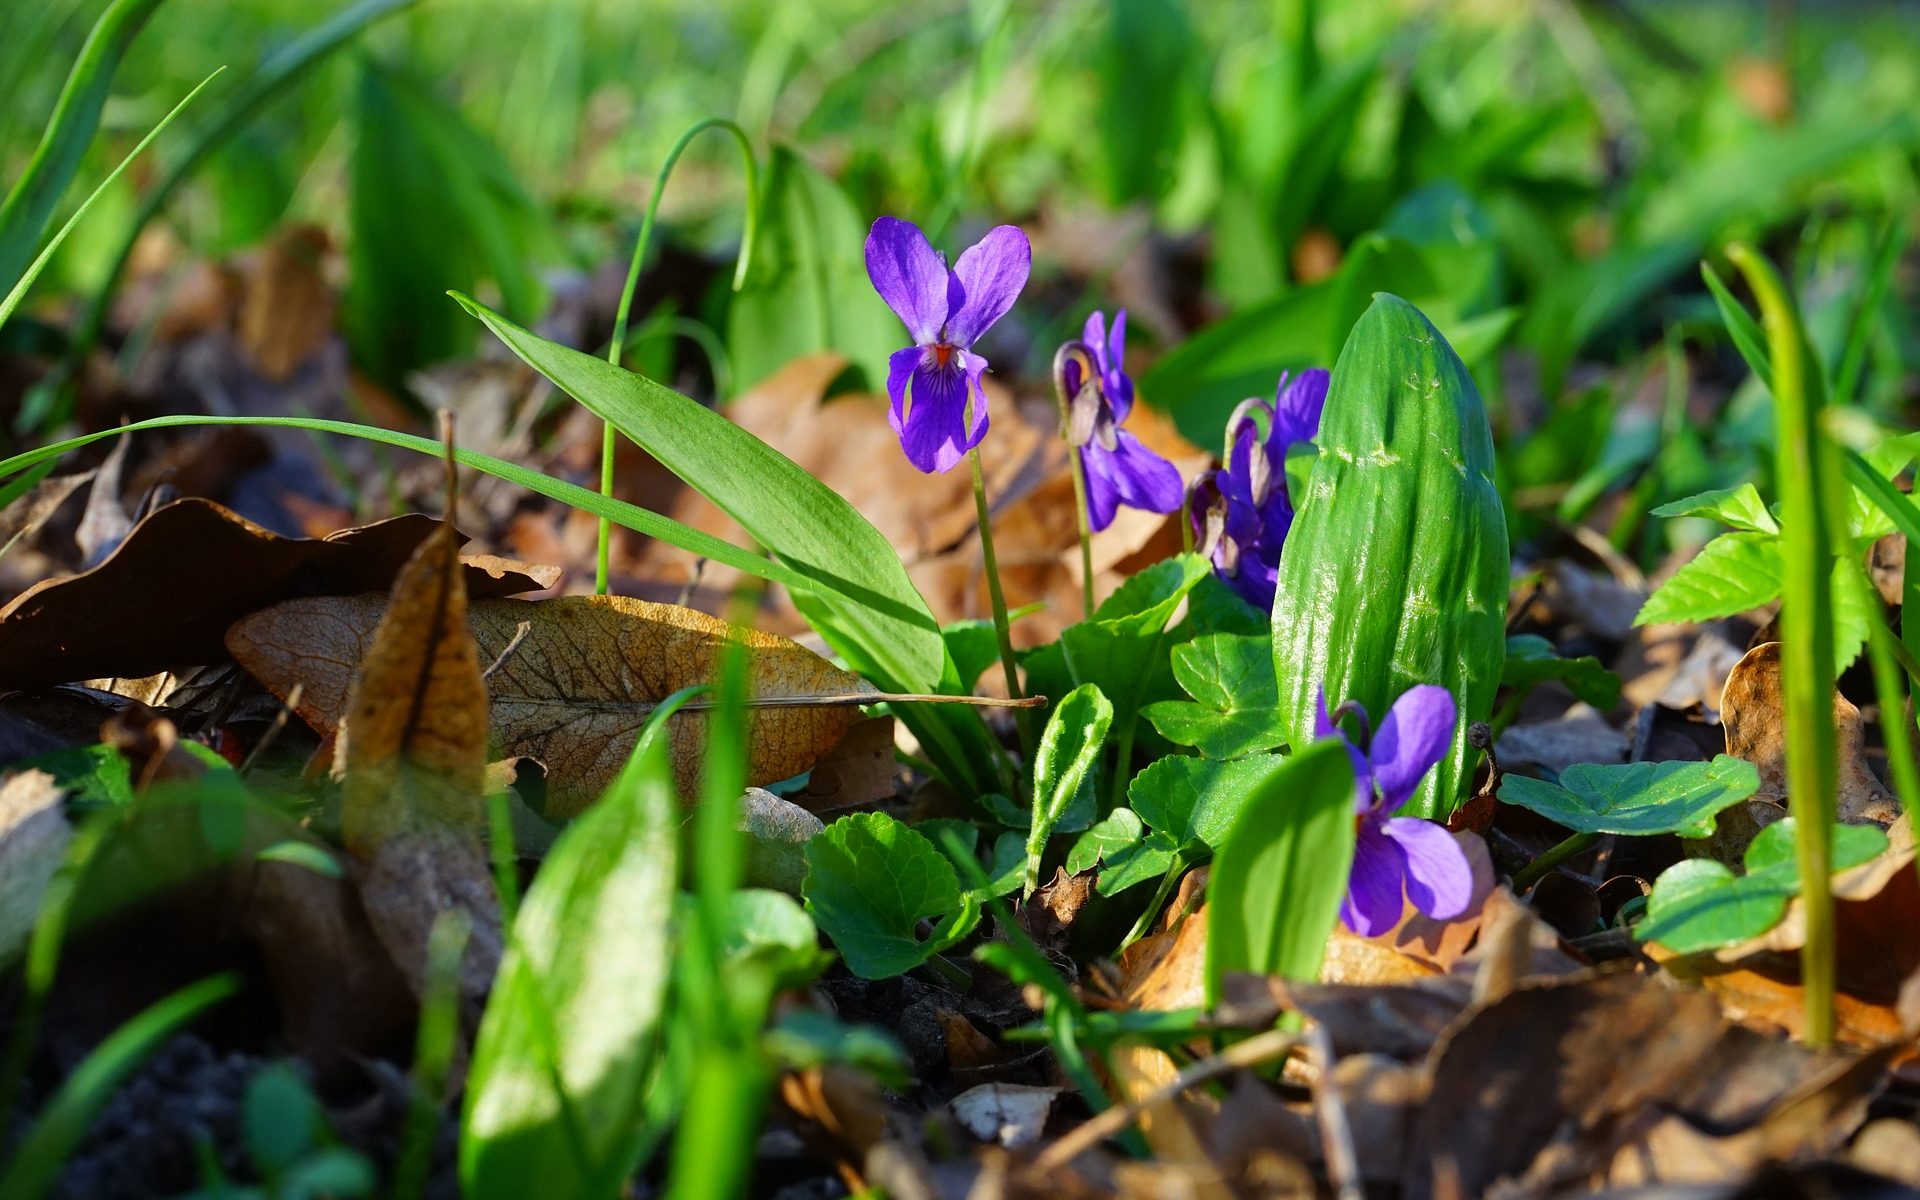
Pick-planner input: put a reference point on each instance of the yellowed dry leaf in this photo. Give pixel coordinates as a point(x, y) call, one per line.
point(415, 755)
point(1750, 708)
point(575, 690)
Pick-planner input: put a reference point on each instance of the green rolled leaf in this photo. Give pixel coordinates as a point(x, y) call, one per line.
point(1274, 892)
point(555, 1104)
point(1395, 571)
point(1643, 798)
point(1069, 748)
point(871, 881)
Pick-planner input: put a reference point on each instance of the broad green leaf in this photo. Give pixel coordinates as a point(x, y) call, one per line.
point(1008, 866)
point(1120, 648)
point(1700, 904)
point(417, 165)
point(1279, 875)
point(1732, 573)
point(564, 1053)
point(1642, 799)
point(281, 1118)
point(870, 881)
point(1740, 507)
point(973, 646)
point(1069, 748)
point(1395, 571)
point(31, 202)
point(857, 594)
point(807, 289)
point(1532, 660)
point(1189, 805)
point(1147, 58)
point(1232, 711)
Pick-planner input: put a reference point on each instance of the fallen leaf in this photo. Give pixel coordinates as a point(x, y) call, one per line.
point(858, 772)
point(34, 834)
point(1008, 1114)
point(163, 600)
point(414, 755)
point(576, 688)
point(775, 846)
point(1580, 735)
point(286, 308)
point(1751, 709)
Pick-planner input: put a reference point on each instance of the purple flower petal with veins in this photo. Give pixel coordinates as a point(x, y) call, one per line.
point(938, 408)
point(1118, 467)
point(1392, 855)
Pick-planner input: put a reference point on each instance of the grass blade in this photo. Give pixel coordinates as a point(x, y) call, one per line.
point(64, 1121)
point(39, 264)
point(76, 116)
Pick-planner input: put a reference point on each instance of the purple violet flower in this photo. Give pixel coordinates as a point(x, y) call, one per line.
point(1395, 854)
point(946, 311)
point(1241, 513)
point(1119, 469)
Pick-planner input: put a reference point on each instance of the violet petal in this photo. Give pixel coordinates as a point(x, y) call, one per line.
point(992, 272)
point(1417, 733)
point(1439, 877)
point(909, 276)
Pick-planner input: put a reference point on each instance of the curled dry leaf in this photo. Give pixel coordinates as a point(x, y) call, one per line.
point(576, 689)
point(415, 758)
point(163, 600)
point(1751, 710)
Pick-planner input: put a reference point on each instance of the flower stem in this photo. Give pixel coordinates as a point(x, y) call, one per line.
point(1808, 471)
point(1086, 532)
point(1002, 630)
point(1160, 894)
point(603, 551)
point(1537, 870)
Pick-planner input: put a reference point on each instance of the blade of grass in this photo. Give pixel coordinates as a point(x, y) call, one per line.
point(619, 340)
point(280, 71)
point(76, 117)
point(64, 1121)
point(1846, 380)
point(39, 264)
point(435, 1042)
point(1807, 467)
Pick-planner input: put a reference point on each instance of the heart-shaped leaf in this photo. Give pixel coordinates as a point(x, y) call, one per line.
point(871, 881)
point(1233, 710)
point(1700, 904)
point(1641, 798)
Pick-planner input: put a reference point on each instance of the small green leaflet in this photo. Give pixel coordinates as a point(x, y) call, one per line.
point(1532, 660)
point(1109, 840)
point(1070, 746)
point(769, 929)
point(1737, 572)
point(1700, 904)
point(1281, 871)
point(1740, 507)
point(870, 880)
point(1233, 710)
point(1188, 803)
point(1641, 798)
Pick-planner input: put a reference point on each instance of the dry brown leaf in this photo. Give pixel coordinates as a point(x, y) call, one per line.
point(163, 600)
point(34, 835)
point(1752, 712)
point(286, 308)
point(859, 772)
point(415, 755)
point(1013, 1115)
point(576, 689)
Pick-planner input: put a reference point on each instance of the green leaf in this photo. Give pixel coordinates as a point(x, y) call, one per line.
point(1532, 660)
point(31, 202)
point(1107, 840)
point(1395, 571)
point(1119, 648)
point(1700, 904)
point(1069, 747)
point(870, 881)
point(1732, 573)
point(1741, 327)
point(772, 931)
point(855, 591)
point(1189, 804)
point(417, 166)
point(805, 1039)
point(1643, 798)
point(1007, 869)
point(807, 289)
point(564, 1054)
point(1740, 507)
point(1279, 875)
point(281, 1118)
point(1234, 696)
point(973, 646)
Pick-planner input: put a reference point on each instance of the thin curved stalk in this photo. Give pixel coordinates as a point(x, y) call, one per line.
point(1807, 466)
point(619, 340)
